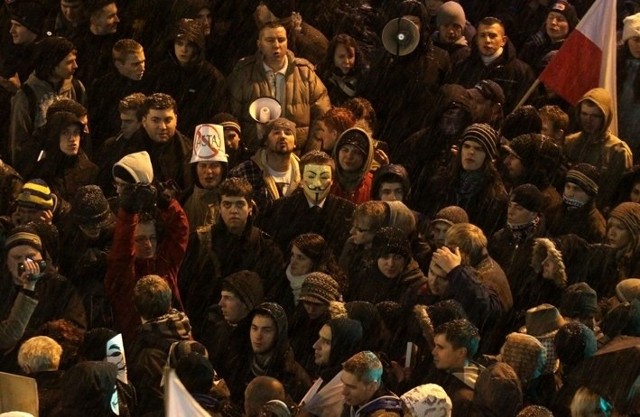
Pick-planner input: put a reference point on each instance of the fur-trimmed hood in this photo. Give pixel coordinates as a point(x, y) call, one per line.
point(544, 248)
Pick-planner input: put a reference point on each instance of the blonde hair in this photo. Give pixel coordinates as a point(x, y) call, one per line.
point(40, 353)
point(585, 402)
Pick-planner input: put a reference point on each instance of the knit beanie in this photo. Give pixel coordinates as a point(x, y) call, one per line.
point(629, 214)
point(23, 235)
point(525, 148)
point(525, 354)
point(585, 176)
point(568, 11)
point(346, 337)
point(451, 12)
point(36, 194)
point(355, 137)
point(628, 290)
point(30, 14)
point(391, 240)
point(401, 217)
point(631, 27)
point(428, 400)
point(498, 378)
point(321, 288)
point(90, 206)
point(535, 411)
point(191, 30)
point(484, 135)
point(523, 120)
point(228, 121)
point(451, 215)
point(247, 286)
point(579, 300)
point(575, 342)
point(280, 123)
point(134, 168)
point(391, 313)
point(49, 53)
point(529, 197)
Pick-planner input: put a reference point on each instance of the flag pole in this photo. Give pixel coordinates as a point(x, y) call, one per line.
point(530, 91)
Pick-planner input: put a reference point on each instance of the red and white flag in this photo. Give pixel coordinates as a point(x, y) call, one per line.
point(588, 57)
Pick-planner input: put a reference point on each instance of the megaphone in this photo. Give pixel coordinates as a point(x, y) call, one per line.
point(265, 109)
point(400, 36)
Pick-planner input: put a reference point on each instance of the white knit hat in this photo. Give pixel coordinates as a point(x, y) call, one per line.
point(428, 400)
point(631, 27)
point(208, 144)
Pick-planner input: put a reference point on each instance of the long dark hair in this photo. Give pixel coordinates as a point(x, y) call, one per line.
point(316, 248)
point(327, 67)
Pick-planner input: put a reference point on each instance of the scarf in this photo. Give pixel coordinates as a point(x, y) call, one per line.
point(468, 374)
point(261, 363)
point(470, 183)
point(572, 203)
point(522, 232)
point(295, 282)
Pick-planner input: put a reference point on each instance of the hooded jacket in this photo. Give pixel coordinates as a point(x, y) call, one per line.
point(498, 392)
point(198, 87)
point(390, 173)
point(305, 95)
point(87, 389)
point(603, 150)
point(353, 186)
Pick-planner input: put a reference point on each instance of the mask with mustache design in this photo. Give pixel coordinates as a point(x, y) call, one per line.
point(316, 182)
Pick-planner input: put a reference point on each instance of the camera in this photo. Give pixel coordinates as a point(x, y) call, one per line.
point(42, 264)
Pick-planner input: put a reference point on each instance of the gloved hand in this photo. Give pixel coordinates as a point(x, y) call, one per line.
point(128, 199)
point(146, 195)
point(166, 192)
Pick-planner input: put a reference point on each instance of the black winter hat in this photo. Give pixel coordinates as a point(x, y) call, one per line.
point(579, 300)
point(525, 148)
point(355, 137)
point(585, 176)
point(567, 10)
point(485, 135)
point(346, 336)
point(94, 344)
point(49, 52)
point(30, 14)
point(574, 342)
point(247, 286)
point(529, 197)
point(88, 388)
point(90, 207)
point(523, 120)
point(390, 173)
point(391, 240)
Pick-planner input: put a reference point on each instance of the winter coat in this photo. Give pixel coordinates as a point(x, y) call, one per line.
point(362, 179)
point(13, 327)
point(23, 146)
point(514, 76)
point(170, 160)
point(149, 353)
point(215, 253)
point(605, 151)
point(124, 270)
point(200, 205)
point(291, 216)
point(370, 285)
point(256, 171)
point(305, 95)
point(58, 299)
point(10, 185)
point(398, 85)
point(66, 174)
point(199, 90)
point(94, 54)
point(459, 384)
point(104, 97)
point(49, 391)
point(383, 403)
point(586, 222)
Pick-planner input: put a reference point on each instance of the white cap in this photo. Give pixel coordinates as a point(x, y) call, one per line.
point(208, 144)
point(631, 27)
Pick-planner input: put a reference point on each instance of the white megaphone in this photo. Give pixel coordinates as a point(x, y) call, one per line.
point(400, 36)
point(265, 109)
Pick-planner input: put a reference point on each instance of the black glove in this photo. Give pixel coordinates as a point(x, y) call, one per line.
point(166, 192)
point(146, 198)
point(128, 200)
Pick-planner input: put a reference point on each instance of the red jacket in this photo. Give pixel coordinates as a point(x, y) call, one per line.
point(361, 194)
point(124, 270)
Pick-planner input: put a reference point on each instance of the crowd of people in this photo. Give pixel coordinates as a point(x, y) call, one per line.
point(334, 208)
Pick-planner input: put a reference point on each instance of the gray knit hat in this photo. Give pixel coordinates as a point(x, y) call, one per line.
point(90, 206)
point(320, 287)
point(451, 13)
point(485, 135)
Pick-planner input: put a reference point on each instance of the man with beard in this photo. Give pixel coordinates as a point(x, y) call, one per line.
point(311, 209)
point(273, 170)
